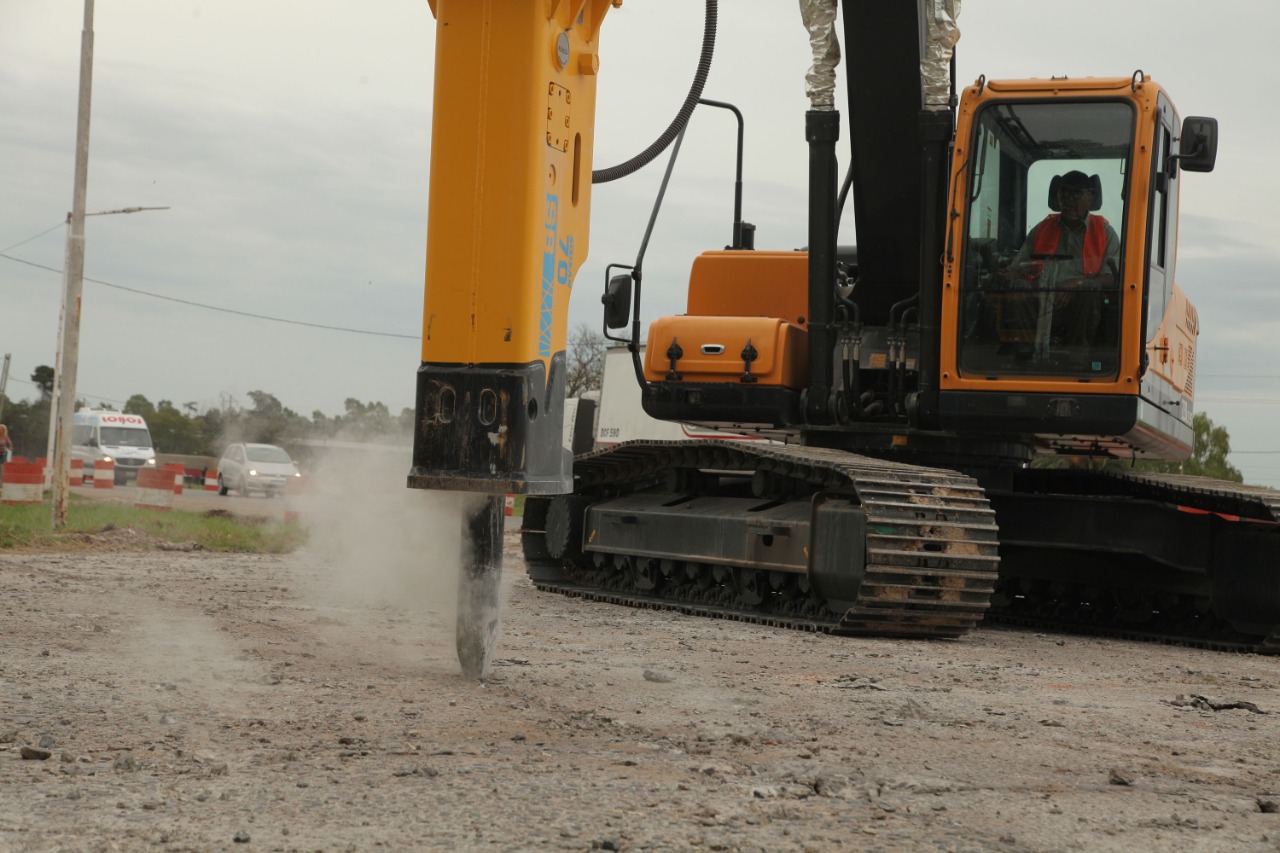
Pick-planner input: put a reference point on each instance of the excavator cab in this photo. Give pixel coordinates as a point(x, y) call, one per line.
point(1060, 315)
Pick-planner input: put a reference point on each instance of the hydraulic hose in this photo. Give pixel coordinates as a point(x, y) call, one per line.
point(603, 176)
point(844, 193)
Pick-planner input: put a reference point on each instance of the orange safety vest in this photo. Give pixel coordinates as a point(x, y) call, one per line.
point(1049, 232)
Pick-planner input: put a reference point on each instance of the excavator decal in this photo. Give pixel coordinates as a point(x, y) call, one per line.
point(549, 272)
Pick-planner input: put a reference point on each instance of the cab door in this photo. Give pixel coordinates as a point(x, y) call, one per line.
point(1162, 231)
point(1170, 323)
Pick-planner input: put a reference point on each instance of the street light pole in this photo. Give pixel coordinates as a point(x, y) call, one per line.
point(55, 390)
point(4, 384)
point(55, 395)
point(74, 279)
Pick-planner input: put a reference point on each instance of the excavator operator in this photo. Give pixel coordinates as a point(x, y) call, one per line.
point(1072, 258)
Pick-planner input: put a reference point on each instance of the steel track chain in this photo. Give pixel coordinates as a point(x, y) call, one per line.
point(1205, 494)
point(1202, 493)
point(932, 540)
point(1256, 502)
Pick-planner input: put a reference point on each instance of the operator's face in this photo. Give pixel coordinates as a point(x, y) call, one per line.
point(1075, 204)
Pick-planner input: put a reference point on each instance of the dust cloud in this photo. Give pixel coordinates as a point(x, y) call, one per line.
point(382, 560)
point(183, 656)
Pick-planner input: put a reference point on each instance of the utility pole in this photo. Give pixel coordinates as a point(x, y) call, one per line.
point(4, 383)
point(74, 281)
point(51, 453)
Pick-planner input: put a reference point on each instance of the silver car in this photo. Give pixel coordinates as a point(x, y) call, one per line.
point(248, 468)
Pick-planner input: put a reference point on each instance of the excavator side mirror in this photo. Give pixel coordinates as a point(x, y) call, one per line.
point(617, 301)
point(1198, 145)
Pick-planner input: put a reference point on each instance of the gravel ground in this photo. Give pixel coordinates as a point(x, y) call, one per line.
point(178, 700)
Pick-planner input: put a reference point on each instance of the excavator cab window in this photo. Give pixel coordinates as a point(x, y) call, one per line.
point(1046, 210)
point(1164, 221)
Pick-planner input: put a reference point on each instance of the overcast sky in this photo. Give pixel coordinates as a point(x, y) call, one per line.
point(290, 141)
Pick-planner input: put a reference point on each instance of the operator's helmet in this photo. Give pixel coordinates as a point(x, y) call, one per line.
point(1075, 180)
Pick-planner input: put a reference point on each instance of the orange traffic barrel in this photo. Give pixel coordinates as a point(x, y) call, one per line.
point(23, 483)
point(155, 489)
point(104, 474)
point(178, 472)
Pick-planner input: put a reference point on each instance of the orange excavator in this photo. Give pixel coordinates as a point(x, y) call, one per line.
point(1011, 298)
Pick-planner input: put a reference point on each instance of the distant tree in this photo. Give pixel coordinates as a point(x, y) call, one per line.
point(265, 405)
point(43, 377)
point(139, 405)
point(265, 422)
point(268, 422)
point(174, 432)
point(212, 425)
point(28, 427)
point(178, 429)
point(365, 421)
point(1209, 451)
point(584, 370)
point(321, 425)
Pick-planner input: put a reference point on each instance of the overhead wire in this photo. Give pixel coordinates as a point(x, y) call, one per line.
point(29, 239)
point(82, 394)
point(208, 307)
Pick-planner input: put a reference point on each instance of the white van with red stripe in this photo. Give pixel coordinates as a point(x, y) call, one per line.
point(115, 436)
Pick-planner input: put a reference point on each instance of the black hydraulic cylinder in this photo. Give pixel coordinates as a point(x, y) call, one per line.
point(882, 50)
point(822, 131)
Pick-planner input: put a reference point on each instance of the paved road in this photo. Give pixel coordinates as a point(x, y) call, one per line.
point(195, 500)
point(198, 500)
